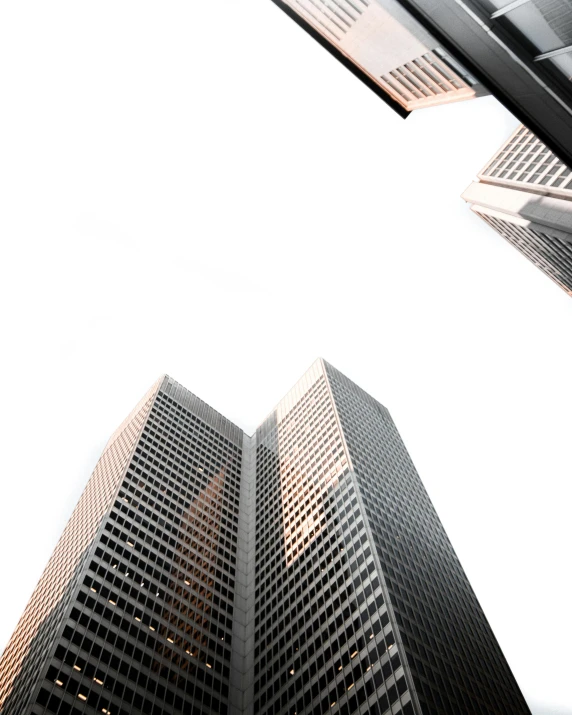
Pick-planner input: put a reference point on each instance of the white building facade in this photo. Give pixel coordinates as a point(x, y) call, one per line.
point(391, 48)
point(525, 193)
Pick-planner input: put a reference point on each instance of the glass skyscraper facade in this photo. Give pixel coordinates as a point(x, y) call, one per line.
point(302, 569)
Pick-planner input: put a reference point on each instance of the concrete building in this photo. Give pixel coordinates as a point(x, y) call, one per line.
point(519, 50)
point(525, 193)
point(388, 49)
point(302, 569)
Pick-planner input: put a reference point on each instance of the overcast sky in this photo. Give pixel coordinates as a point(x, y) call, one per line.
point(200, 189)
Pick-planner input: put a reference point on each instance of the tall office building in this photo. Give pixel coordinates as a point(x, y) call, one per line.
point(525, 193)
point(390, 51)
point(519, 50)
point(302, 569)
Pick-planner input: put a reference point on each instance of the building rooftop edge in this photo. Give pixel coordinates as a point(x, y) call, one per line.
point(186, 397)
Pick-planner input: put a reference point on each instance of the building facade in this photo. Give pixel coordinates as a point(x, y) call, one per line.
point(302, 569)
point(525, 193)
point(405, 50)
point(380, 42)
point(521, 50)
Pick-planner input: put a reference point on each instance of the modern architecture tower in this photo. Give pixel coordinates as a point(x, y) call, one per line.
point(525, 193)
point(520, 51)
point(302, 569)
point(388, 49)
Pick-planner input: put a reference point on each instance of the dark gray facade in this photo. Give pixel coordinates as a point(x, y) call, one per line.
point(299, 570)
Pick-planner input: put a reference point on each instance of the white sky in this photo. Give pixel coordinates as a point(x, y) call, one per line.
point(200, 189)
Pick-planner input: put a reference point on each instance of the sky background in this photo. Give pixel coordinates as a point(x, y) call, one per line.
point(200, 189)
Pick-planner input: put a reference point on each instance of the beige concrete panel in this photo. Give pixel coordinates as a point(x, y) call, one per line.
point(379, 43)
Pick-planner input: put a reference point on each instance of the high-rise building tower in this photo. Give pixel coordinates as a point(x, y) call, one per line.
point(299, 570)
point(518, 50)
point(525, 193)
point(134, 611)
point(390, 51)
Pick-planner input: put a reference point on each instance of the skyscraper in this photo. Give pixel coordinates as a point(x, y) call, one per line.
point(520, 51)
point(390, 51)
point(525, 193)
point(302, 569)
